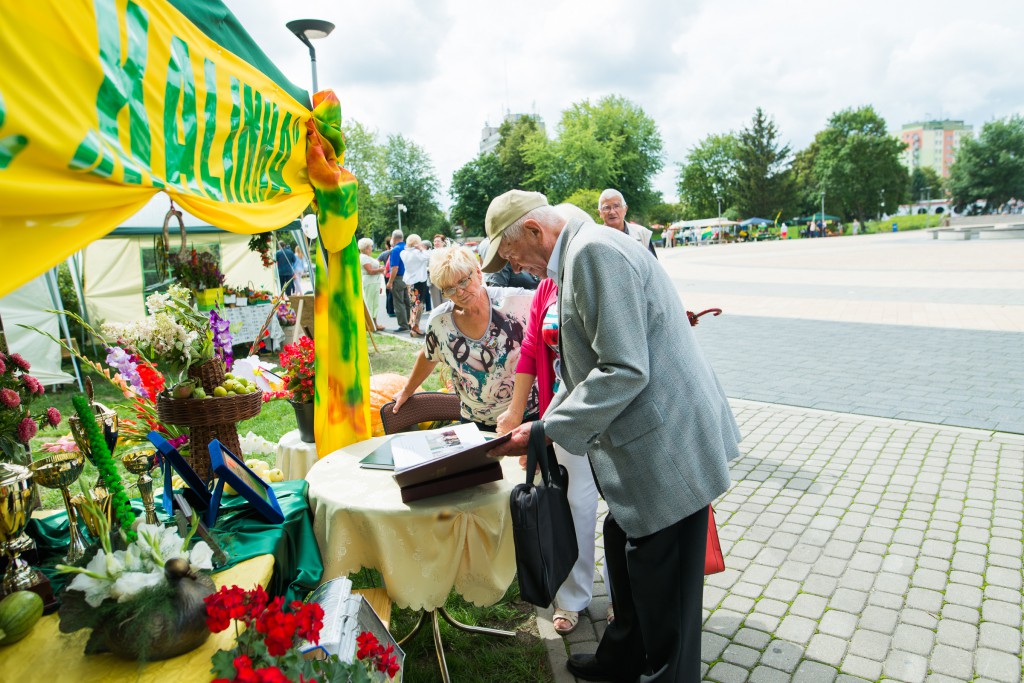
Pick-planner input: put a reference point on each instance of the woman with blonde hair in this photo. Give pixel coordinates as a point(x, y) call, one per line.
point(478, 333)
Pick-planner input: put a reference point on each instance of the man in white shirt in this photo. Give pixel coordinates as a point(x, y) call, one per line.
point(612, 207)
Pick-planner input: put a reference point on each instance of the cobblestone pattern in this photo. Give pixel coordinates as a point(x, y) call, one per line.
point(861, 549)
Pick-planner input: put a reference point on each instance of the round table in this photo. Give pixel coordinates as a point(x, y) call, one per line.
point(294, 456)
point(423, 549)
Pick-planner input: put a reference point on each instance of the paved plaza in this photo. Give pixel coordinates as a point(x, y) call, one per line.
point(873, 529)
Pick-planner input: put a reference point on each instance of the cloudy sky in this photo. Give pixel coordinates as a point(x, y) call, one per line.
point(436, 71)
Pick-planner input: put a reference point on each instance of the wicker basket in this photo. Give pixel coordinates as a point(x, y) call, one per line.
point(209, 374)
point(209, 419)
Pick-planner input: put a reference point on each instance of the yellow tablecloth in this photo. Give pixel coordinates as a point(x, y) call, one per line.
point(46, 654)
point(423, 549)
point(295, 456)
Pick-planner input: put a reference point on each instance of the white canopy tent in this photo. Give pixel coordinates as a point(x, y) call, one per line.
point(27, 305)
point(118, 270)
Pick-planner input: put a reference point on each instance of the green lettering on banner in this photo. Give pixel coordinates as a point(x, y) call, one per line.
point(211, 182)
point(122, 85)
point(244, 153)
point(267, 134)
point(180, 129)
point(229, 144)
point(11, 145)
point(275, 173)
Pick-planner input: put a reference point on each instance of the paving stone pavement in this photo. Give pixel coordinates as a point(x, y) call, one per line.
point(968, 378)
point(857, 549)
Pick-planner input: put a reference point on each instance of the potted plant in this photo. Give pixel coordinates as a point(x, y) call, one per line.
point(230, 294)
point(143, 600)
point(201, 272)
point(297, 363)
point(267, 648)
point(18, 391)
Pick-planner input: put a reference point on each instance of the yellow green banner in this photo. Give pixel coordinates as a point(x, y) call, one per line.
point(105, 102)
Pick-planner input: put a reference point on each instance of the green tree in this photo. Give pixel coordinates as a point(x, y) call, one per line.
point(473, 187)
point(410, 174)
point(763, 181)
point(992, 167)
point(666, 213)
point(925, 183)
point(857, 163)
point(587, 200)
point(612, 143)
point(709, 172)
point(364, 157)
point(519, 137)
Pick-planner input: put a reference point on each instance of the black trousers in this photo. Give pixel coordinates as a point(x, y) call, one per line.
point(658, 584)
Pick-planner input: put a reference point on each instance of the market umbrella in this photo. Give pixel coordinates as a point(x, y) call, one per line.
point(756, 221)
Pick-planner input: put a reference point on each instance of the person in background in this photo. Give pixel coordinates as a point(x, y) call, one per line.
point(373, 279)
point(415, 258)
point(285, 268)
point(440, 242)
point(478, 333)
point(639, 397)
point(506, 277)
point(612, 207)
point(385, 258)
point(396, 282)
point(538, 361)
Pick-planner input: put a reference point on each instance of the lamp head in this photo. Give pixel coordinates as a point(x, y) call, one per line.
point(310, 29)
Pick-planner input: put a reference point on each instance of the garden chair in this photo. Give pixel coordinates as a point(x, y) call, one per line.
point(428, 406)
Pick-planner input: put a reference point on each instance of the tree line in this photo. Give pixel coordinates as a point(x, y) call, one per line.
point(853, 161)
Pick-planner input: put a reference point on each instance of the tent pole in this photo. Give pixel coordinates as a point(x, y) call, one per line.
point(55, 298)
point(76, 279)
point(300, 238)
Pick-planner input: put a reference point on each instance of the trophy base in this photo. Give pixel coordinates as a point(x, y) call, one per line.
point(41, 586)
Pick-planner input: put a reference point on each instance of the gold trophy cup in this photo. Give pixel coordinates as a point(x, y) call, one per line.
point(58, 472)
point(15, 509)
point(141, 461)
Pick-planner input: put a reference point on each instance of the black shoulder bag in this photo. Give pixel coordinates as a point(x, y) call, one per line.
point(542, 526)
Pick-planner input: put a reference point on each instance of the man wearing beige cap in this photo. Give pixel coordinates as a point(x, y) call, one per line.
point(641, 400)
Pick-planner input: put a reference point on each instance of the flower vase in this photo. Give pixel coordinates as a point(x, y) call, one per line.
point(209, 298)
point(304, 416)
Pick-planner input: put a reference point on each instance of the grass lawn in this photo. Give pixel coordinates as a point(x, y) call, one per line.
point(470, 657)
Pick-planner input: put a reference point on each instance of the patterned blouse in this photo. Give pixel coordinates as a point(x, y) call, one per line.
point(483, 370)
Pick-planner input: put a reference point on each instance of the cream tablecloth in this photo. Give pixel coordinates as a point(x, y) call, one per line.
point(295, 456)
point(423, 549)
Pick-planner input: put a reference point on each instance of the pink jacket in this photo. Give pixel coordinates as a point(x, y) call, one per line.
point(535, 357)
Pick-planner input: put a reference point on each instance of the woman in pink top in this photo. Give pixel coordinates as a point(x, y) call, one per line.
point(538, 358)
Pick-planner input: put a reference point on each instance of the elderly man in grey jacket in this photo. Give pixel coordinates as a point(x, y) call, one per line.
point(641, 400)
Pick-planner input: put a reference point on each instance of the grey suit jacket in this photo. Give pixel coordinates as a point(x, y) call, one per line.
point(638, 396)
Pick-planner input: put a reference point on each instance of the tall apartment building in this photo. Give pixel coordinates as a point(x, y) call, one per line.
point(489, 136)
point(933, 144)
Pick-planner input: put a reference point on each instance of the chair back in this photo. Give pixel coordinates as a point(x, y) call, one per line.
point(428, 406)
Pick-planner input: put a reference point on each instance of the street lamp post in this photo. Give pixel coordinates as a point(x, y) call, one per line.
point(307, 30)
point(822, 213)
point(719, 209)
point(401, 207)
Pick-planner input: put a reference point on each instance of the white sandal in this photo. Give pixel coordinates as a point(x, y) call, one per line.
point(573, 618)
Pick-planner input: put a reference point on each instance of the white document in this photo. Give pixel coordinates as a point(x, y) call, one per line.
point(416, 448)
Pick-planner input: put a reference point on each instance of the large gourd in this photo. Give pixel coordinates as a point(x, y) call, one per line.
point(19, 612)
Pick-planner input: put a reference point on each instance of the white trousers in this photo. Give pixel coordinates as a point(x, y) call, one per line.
point(578, 589)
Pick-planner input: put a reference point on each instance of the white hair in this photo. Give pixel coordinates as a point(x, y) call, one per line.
point(412, 240)
point(397, 234)
point(608, 194)
point(364, 244)
point(541, 214)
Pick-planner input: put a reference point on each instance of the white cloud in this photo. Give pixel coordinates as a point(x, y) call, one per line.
point(436, 72)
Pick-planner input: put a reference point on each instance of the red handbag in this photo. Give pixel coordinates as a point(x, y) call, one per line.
point(714, 562)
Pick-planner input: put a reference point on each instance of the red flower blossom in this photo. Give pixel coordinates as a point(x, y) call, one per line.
point(223, 606)
point(10, 398)
point(26, 430)
point(53, 416)
point(19, 362)
point(271, 674)
point(311, 620)
point(278, 628)
point(152, 381)
point(33, 385)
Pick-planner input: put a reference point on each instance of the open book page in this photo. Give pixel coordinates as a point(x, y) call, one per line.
point(416, 448)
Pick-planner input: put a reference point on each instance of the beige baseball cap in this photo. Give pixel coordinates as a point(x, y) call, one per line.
point(505, 210)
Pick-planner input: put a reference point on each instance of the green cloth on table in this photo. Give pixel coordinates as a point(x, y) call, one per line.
point(239, 529)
